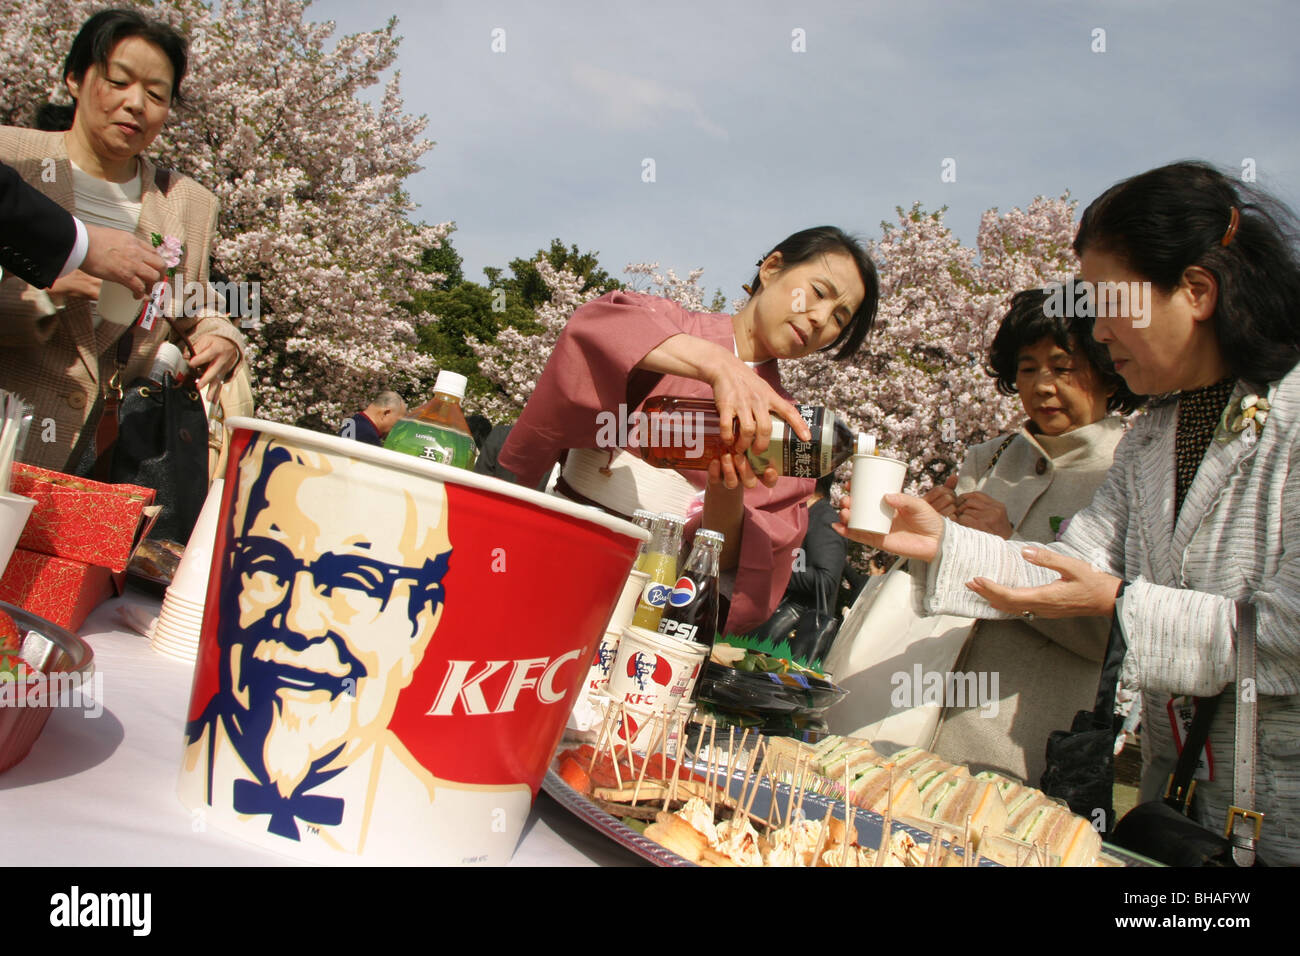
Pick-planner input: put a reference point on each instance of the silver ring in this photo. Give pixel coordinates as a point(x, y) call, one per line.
point(1027, 615)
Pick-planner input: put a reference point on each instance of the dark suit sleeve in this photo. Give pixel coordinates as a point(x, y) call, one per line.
point(36, 234)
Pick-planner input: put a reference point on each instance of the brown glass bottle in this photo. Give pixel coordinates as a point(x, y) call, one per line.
point(686, 434)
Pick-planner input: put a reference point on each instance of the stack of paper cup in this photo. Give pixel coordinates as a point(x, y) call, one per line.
point(586, 713)
point(652, 674)
point(180, 621)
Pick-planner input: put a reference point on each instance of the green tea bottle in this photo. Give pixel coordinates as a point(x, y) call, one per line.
point(436, 431)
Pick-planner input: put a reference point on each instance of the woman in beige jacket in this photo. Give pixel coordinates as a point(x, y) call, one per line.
point(58, 347)
point(1022, 486)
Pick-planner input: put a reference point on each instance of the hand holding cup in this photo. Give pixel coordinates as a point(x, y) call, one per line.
point(916, 531)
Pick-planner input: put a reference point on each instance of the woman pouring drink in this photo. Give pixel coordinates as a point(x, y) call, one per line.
point(1191, 532)
point(816, 290)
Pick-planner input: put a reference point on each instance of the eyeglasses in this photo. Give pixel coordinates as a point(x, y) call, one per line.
point(255, 554)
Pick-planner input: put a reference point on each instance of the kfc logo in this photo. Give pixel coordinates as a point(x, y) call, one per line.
point(643, 668)
point(321, 627)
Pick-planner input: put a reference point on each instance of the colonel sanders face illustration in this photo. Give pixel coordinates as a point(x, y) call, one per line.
point(332, 594)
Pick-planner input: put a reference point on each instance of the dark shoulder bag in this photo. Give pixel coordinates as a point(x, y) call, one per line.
point(1081, 761)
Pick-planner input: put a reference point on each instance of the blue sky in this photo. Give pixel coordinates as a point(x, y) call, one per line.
point(752, 140)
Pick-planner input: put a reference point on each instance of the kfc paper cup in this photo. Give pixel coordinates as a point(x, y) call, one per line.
point(390, 650)
point(603, 662)
point(874, 476)
point(652, 669)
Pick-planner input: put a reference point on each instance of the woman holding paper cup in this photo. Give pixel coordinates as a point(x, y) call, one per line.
point(1186, 538)
point(815, 291)
point(59, 347)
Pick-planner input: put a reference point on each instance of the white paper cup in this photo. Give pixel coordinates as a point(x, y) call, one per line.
point(654, 670)
point(14, 512)
point(626, 606)
point(603, 663)
point(191, 579)
point(874, 476)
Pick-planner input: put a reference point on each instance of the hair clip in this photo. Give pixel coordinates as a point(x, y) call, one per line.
point(1232, 227)
point(748, 291)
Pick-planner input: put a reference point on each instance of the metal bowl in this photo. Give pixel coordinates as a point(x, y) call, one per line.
point(67, 663)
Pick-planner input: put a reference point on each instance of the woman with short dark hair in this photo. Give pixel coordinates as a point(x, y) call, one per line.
point(59, 348)
point(1192, 533)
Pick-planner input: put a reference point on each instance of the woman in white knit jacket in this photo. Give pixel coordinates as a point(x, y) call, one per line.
point(1023, 486)
point(1198, 513)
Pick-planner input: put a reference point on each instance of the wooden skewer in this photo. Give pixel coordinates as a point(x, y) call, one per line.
point(753, 790)
point(710, 767)
point(772, 782)
point(749, 773)
point(602, 737)
point(848, 818)
point(618, 776)
point(932, 851)
point(795, 803)
point(655, 732)
point(984, 842)
point(671, 794)
point(966, 849)
point(734, 759)
point(821, 836)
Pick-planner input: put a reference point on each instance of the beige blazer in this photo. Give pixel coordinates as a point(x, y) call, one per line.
point(58, 360)
point(1047, 670)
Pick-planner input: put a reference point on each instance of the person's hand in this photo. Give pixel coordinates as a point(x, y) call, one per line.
point(735, 473)
point(977, 510)
point(218, 354)
point(1081, 590)
point(942, 498)
point(122, 258)
point(77, 285)
point(916, 531)
point(744, 399)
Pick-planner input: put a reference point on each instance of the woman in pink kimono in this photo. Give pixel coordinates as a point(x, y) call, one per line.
point(817, 290)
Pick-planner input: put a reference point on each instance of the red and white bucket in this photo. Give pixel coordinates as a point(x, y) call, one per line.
point(390, 649)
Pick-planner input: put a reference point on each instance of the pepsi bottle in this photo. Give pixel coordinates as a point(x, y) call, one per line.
point(692, 610)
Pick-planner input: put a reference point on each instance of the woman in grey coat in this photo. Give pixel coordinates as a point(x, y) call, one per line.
point(1195, 278)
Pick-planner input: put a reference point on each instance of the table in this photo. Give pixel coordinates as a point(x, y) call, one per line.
point(101, 791)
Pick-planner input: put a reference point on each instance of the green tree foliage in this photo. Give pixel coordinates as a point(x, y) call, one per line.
point(458, 308)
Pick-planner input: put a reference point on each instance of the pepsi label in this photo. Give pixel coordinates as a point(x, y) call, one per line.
point(679, 629)
point(683, 592)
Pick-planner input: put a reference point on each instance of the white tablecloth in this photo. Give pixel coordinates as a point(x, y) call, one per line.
point(102, 791)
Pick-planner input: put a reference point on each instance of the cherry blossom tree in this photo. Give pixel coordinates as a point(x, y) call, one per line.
point(309, 178)
point(918, 382)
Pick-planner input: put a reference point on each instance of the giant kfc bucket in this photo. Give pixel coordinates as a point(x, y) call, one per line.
point(390, 650)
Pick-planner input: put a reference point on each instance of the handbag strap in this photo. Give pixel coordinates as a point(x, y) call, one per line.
point(1246, 727)
point(1179, 789)
point(1104, 708)
point(998, 454)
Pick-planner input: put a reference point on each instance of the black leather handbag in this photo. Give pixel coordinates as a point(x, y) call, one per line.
point(162, 443)
point(1081, 761)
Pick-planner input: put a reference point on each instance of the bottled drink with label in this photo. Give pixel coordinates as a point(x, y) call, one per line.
point(660, 562)
point(692, 611)
point(437, 431)
point(686, 434)
point(645, 521)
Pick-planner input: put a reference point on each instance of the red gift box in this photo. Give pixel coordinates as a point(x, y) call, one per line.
point(82, 520)
point(58, 589)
